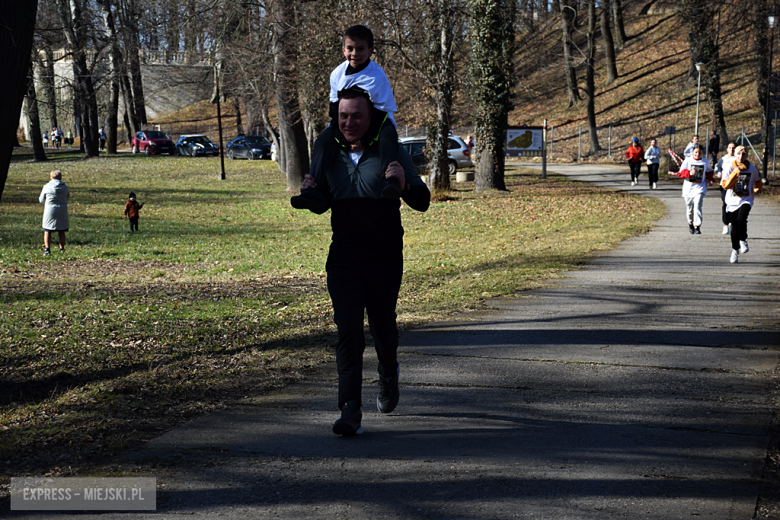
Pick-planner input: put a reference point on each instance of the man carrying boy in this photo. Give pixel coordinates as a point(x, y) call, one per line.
point(365, 261)
point(357, 72)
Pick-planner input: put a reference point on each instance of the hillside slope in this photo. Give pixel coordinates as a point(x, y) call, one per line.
point(651, 93)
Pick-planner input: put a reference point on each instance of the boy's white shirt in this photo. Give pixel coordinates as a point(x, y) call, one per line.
point(691, 189)
point(372, 79)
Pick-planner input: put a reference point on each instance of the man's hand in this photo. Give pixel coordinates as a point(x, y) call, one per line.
point(308, 182)
point(394, 169)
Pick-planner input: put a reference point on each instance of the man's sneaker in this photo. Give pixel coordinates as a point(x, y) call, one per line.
point(387, 399)
point(697, 230)
point(691, 229)
point(633, 182)
point(349, 424)
point(46, 252)
point(734, 256)
point(309, 199)
point(655, 186)
point(725, 230)
point(743, 247)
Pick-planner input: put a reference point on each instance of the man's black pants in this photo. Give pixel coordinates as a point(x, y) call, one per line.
point(355, 284)
point(739, 221)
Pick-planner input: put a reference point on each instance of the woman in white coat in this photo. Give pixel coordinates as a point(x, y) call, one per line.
point(54, 197)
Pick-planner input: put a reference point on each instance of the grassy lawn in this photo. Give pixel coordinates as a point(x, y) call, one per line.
point(222, 294)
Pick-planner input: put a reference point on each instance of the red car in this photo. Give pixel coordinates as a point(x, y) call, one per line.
point(152, 141)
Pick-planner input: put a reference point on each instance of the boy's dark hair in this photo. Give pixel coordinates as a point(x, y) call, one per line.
point(132, 194)
point(359, 32)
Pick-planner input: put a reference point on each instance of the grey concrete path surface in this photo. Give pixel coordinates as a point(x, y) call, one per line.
point(634, 388)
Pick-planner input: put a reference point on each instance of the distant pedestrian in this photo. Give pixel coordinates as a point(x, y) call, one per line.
point(45, 139)
point(714, 146)
point(723, 163)
point(695, 170)
point(132, 208)
point(652, 157)
point(54, 196)
point(470, 143)
point(635, 155)
point(102, 137)
point(689, 149)
point(70, 138)
point(741, 181)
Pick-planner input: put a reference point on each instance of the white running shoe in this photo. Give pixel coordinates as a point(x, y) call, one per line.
point(654, 186)
point(633, 183)
point(725, 230)
point(743, 247)
point(734, 256)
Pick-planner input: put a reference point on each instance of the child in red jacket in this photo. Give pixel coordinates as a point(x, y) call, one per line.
point(131, 211)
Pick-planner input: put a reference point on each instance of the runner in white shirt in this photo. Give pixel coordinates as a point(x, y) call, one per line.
point(694, 170)
point(741, 181)
point(724, 162)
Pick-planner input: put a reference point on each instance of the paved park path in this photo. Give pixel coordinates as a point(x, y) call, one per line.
point(634, 388)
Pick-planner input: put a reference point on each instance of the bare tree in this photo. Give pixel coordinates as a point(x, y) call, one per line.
point(115, 67)
point(617, 21)
point(609, 43)
point(33, 121)
point(590, 82)
point(17, 25)
point(75, 29)
point(294, 159)
point(568, 18)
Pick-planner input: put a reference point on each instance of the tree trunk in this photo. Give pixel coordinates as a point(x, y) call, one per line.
point(75, 34)
point(609, 44)
point(17, 25)
point(49, 94)
point(440, 48)
point(293, 137)
point(115, 67)
point(492, 49)
point(33, 120)
point(617, 21)
point(760, 32)
point(237, 108)
point(590, 80)
point(568, 15)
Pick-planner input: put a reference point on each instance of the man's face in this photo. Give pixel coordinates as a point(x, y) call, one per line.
point(356, 51)
point(354, 118)
point(696, 154)
point(653, 143)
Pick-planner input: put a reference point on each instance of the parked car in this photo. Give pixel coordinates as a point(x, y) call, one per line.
point(249, 147)
point(458, 153)
point(196, 146)
point(152, 142)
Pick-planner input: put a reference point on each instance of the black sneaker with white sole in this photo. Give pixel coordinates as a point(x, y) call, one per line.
point(349, 423)
point(387, 399)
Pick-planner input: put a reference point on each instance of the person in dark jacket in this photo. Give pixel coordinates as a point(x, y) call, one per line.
point(365, 261)
point(714, 146)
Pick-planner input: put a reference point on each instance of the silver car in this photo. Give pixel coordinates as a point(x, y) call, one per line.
point(457, 150)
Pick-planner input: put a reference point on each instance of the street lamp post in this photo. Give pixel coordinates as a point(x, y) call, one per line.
point(771, 20)
point(699, 66)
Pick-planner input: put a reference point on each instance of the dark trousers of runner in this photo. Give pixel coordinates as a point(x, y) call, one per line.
point(739, 220)
point(652, 173)
point(723, 215)
point(635, 169)
point(357, 284)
